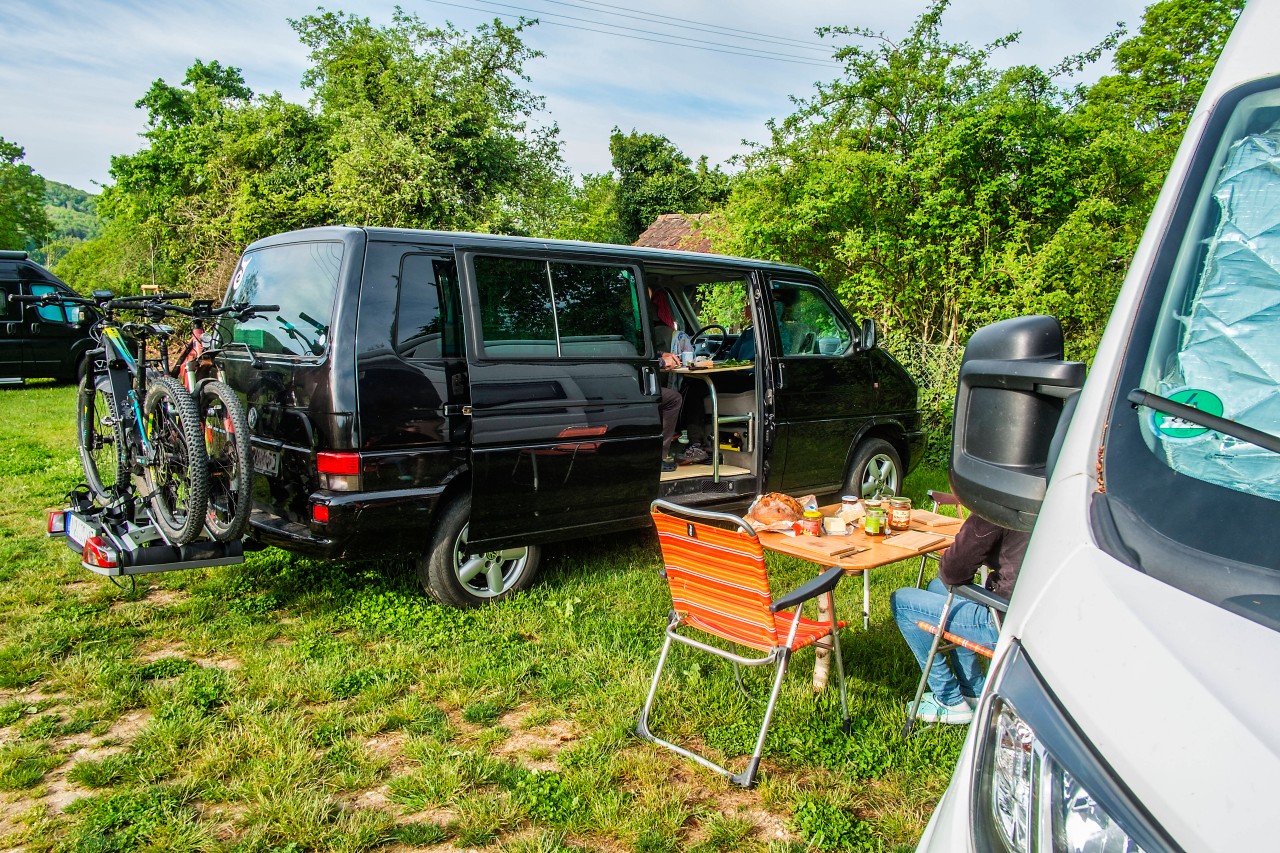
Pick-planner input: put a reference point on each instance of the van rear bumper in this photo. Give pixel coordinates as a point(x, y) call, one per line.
point(361, 525)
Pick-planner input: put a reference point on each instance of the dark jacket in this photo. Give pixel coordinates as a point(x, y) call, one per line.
point(980, 543)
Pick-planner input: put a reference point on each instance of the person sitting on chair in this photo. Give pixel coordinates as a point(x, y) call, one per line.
point(954, 690)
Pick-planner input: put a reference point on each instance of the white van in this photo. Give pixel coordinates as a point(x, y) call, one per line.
point(1134, 699)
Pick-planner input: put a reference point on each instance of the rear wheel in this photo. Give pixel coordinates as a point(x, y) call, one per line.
point(100, 439)
point(226, 441)
point(877, 470)
point(454, 576)
point(176, 472)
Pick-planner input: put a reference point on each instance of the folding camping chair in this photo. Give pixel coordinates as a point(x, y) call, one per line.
point(719, 586)
point(939, 499)
point(945, 641)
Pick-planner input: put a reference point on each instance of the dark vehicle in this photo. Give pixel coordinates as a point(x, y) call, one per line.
point(461, 399)
point(39, 341)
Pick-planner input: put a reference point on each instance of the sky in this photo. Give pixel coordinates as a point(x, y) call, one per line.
point(72, 70)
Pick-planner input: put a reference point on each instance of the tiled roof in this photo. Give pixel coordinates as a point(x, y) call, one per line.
point(676, 231)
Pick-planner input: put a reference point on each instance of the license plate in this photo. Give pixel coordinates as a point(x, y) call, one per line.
point(78, 530)
point(266, 461)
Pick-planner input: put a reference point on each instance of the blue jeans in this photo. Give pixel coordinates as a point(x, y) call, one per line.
point(968, 619)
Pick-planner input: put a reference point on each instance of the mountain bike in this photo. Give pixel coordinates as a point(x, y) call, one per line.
point(225, 428)
point(138, 431)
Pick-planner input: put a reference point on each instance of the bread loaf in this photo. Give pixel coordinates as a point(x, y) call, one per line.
point(775, 507)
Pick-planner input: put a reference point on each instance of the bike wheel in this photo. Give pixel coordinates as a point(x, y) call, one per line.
point(100, 440)
point(226, 441)
point(176, 472)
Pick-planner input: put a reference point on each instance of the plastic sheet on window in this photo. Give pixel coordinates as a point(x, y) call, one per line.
point(1231, 341)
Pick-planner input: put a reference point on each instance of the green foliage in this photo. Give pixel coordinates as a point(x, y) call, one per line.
point(23, 223)
point(655, 177)
point(828, 827)
point(937, 193)
point(152, 818)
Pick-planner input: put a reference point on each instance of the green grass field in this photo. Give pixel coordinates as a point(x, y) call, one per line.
point(289, 704)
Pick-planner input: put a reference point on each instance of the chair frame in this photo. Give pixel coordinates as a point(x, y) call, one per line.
point(944, 640)
point(939, 499)
point(779, 656)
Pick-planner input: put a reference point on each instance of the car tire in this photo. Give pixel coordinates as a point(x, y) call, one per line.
point(457, 579)
point(877, 468)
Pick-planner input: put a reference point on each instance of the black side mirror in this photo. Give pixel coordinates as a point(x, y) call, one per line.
point(867, 335)
point(1009, 417)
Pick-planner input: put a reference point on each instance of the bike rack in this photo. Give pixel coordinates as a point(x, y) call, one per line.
point(112, 545)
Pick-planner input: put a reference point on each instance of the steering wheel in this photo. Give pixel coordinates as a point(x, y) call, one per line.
point(707, 340)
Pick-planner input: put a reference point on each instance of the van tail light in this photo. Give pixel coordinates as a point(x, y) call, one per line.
point(320, 513)
point(339, 472)
point(98, 553)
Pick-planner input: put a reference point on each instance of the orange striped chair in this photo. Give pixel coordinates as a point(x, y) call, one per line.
point(719, 586)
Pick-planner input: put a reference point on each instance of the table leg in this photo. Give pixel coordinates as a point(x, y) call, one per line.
point(866, 599)
point(822, 660)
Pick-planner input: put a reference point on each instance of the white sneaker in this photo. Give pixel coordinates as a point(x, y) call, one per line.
point(932, 711)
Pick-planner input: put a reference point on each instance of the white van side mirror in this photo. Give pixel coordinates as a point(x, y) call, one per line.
point(1009, 417)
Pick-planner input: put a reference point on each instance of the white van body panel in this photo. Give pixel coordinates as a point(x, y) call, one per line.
point(1177, 696)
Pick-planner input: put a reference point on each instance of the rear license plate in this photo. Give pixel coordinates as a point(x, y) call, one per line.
point(78, 530)
point(266, 461)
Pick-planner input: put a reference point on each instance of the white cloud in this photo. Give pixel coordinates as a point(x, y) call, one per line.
point(70, 72)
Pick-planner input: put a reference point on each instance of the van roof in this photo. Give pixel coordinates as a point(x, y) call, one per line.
point(1250, 53)
point(495, 241)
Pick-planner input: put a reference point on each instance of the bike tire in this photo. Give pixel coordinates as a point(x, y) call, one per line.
point(176, 472)
point(100, 440)
point(226, 440)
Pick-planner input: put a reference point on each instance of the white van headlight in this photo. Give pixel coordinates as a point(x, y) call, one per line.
point(1035, 786)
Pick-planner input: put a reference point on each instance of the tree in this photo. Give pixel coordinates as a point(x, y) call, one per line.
point(429, 127)
point(655, 177)
point(23, 223)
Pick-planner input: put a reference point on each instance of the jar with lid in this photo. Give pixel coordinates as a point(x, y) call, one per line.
point(876, 518)
point(811, 523)
point(849, 508)
point(899, 513)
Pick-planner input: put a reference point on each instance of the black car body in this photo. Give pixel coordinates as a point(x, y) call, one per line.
point(39, 341)
point(462, 398)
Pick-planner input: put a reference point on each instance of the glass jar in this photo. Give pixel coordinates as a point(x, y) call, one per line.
point(876, 518)
point(811, 524)
point(899, 513)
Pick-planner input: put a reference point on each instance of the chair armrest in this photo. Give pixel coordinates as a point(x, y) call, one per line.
point(982, 595)
point(823, 583)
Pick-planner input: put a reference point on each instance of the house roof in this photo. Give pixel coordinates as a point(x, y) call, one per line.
point(676, 231)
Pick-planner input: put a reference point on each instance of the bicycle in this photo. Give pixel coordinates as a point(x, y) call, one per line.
point(138, 431)
point(225, 427)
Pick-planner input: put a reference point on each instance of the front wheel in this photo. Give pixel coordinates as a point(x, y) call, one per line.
point(226, 441)
point(876, 471)
point(453, 575)
point(100, 440)
point(176, 470)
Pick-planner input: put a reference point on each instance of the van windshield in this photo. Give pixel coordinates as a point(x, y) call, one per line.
point(302, 279)
point(1208, 337)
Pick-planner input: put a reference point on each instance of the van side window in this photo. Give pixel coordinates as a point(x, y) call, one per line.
point(426, 308)
point(807, 323)
point(48, 313)
point(549, 309)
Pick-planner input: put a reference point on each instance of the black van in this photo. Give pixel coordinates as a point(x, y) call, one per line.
point(460, 399)
point(39, 341)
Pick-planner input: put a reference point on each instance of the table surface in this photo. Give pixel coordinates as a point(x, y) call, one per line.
point(880, 550)
point(719, 368)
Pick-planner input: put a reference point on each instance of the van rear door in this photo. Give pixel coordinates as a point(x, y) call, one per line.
point(565, 434)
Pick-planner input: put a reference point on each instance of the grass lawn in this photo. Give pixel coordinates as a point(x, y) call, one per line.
point(290, 704)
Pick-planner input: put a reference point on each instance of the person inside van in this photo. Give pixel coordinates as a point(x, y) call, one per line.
point(669, 400)
point(954, 690)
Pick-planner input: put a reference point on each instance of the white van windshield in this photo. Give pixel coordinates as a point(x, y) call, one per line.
point(1191, 501)
point(1217, 340)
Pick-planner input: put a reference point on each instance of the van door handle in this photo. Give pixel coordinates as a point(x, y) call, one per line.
point(11, 328)
point(782, 375)
point(35, 328)
point(648, 381)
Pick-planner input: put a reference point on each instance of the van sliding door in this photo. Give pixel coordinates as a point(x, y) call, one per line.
point(565, 435)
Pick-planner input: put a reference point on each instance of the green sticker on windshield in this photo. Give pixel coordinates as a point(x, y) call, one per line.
point(1169, 426)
